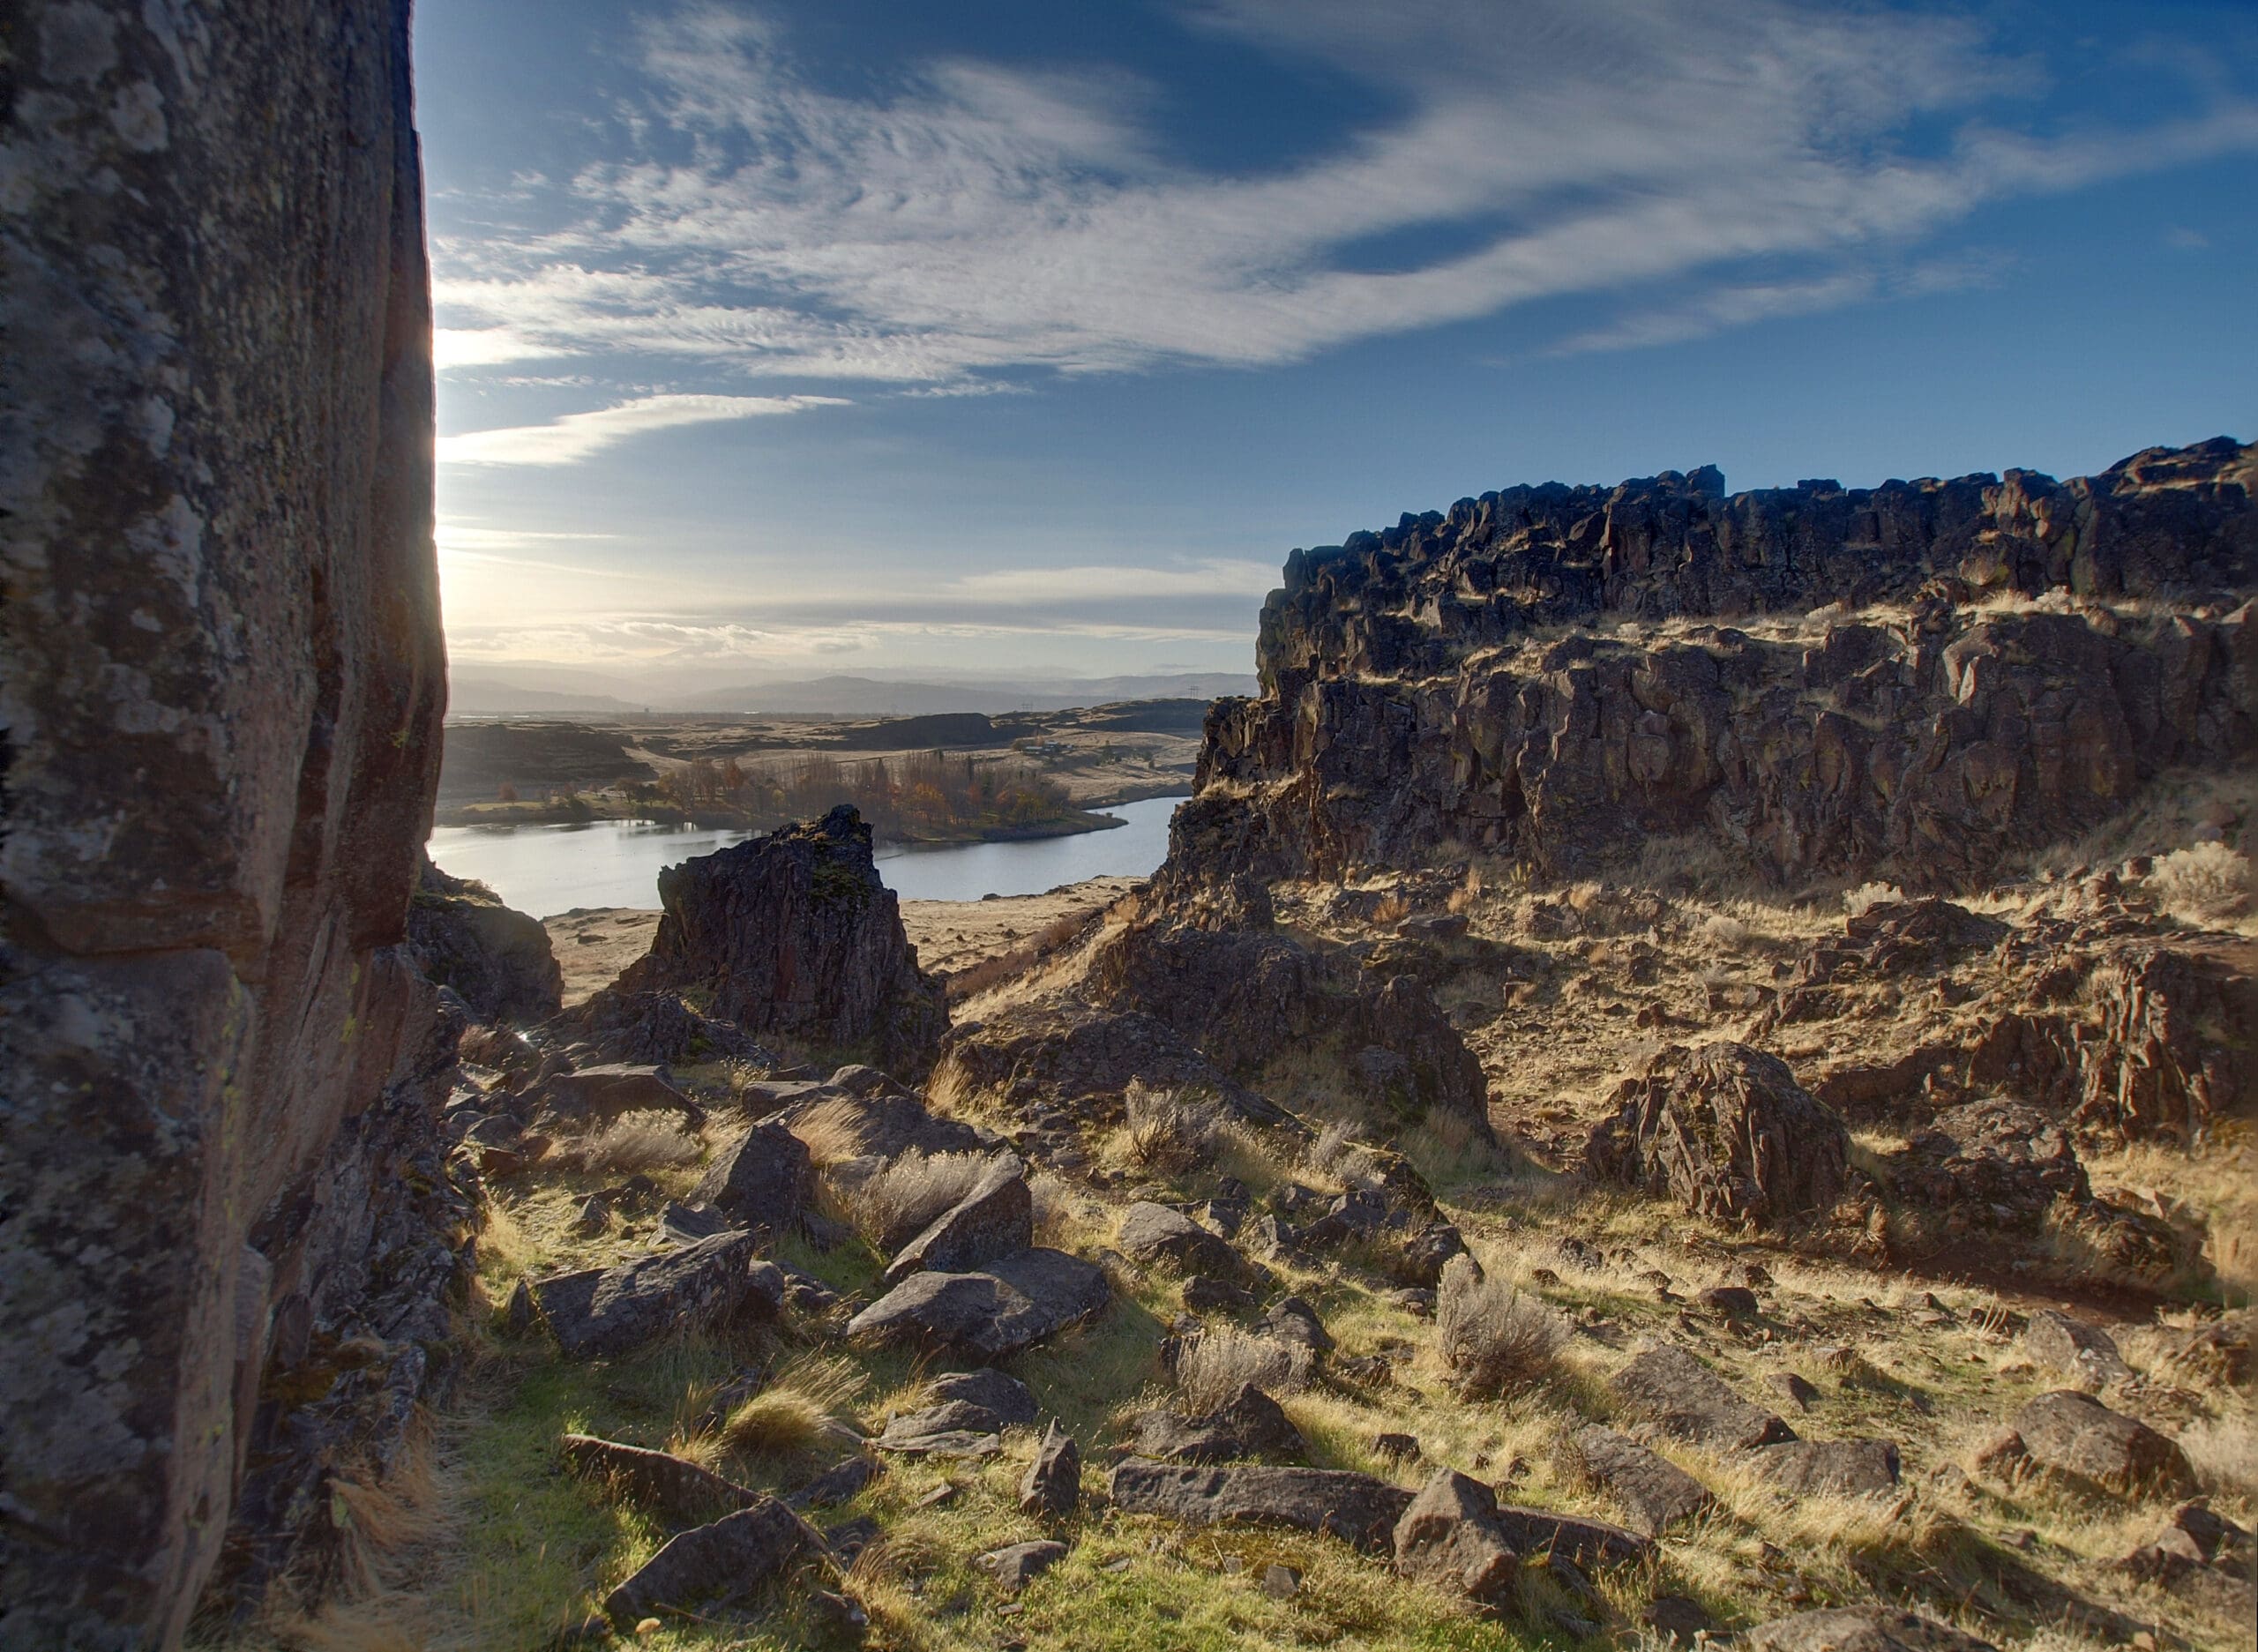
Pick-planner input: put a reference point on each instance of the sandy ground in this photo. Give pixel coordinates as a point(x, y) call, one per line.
point(593, 947)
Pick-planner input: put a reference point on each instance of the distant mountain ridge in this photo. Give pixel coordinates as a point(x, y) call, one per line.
point(842, 696)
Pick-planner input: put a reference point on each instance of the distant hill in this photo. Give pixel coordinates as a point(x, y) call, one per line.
point(871, 697)
point(483, 697)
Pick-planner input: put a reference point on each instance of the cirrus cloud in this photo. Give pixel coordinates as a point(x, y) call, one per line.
point(577, 436)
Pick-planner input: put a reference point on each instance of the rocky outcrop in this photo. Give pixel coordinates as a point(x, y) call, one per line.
point(495, 958)
point(1931, 725)
point(223, 683)
point(1727, 1133)
point(794, 935)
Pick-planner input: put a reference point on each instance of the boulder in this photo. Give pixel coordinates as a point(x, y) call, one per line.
point(1250, 1424)
point(1052, 1485)
point(721, 1563)
point(2194, 1534)
point(1203, 1294)
point(2074, 1435)
point(1017, 1564)
point(1656, 1493)
point(843, 1480)
point(656, 1026)
point(1860, 1629)
point(592, 1095)
point(884, 1120)
point(1727, 1133)
point(763, 1179)
point(1013, 1303)
point(679, 1492)
point(1842, 1468)
point(1155, 1235)
point(1449, 1536)
point(607, 1310)
point(498, 959)
point(1290, 1319)
point(2056, 1341)
point(1003, 1395)
point(794, 934)
point(1991, 1163)
point(1668, 1387)
point(954, 1428)
point(995, 1219)
point(1355, 1507)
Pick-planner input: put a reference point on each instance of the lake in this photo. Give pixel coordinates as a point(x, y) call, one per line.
point(546, 870)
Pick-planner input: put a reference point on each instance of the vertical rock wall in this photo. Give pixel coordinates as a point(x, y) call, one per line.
point(222, 681)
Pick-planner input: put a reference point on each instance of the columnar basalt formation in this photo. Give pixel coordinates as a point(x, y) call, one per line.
point(222, 684)
point(1912, 682)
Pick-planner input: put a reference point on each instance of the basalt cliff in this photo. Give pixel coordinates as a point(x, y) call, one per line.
point(1915, 681)
point(222, 681)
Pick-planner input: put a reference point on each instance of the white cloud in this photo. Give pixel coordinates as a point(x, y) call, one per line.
point(974, 218)
point(1112, 582)
point(577, 436)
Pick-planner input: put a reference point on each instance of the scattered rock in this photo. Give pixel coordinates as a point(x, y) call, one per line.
point(763, 1179)
point(1203, 1294)
point(586, 1097)
point(1673, 1617)
point(1668, 1387)
point(1015, 1566)
point(614, 1310)
point(1849, 1467)
point(1449, 1536)
point(842, 1480)
point(594, 1216)
point(1155, 1235)
point(1353, 1507)
point(1052, 1485)
point(1013, 1303)
point(1655, 1491)
point(954, 1428)
point(2055, 1342)
point(1991, 1163)
point(680, 1493)
point(1586, 1543)
point(724, 1561)
point(1860, 1629)
point(995, 1220)
point(1727, 1133)
point(2073, 1435)
point(1796, 1391)
point(1251, 1425)
point(997, 1392)
point(1281, 1582)
point(1396, 1448)
point(1734, 1301)
point(2191, 1535)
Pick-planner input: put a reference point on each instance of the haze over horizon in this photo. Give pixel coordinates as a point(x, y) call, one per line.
point(1010, 343)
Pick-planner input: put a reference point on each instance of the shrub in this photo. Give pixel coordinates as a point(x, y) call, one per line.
point(1491, 1336)
point(652, 1139)
point(2205, 883)
point(1215, 1363)
point(1857, 901)
point(1165, 1130)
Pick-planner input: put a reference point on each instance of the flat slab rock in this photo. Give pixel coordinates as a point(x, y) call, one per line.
point(1152, 1234)
point(990, 1314)
point(1015, 1566)
point(1675, 1392)
point(677, 1491)
point(1847, 1468)
point(615, 1309)
point(2074, 1434)
point(1655, 1491)
point(1589, 1544)
point(721, 1562)
point(992, 1390)
point(1357, 1507)
point(1860, 1629)
point(1250, 1424)
point(954, 1428)
point(995, 1219)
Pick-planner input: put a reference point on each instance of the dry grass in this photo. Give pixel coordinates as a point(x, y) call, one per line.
point(1858, 901)
point(2208, 882)
point(893, 1205)
point(1166, 1130)
point(2225, 1451)
point(1214, 1365)
point(1493, 1337)
point(630, 1144)
point(809, 1395)
point(831, 1131)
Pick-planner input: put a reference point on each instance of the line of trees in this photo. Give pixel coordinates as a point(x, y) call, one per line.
point(928, 796)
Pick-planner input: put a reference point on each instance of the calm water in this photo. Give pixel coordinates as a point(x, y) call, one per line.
point(545, 870)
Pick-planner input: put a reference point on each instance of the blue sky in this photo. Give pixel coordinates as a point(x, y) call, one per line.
point(983, 339)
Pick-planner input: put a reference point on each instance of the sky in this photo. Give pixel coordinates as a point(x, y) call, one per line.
point(989, 338)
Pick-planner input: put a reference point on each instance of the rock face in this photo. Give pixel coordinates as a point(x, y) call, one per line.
point(223, 682)
point(1728, 1133)
point(794, 934)
point(496, 958)
point(1410, 700)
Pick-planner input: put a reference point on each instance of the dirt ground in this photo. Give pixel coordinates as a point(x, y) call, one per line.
point(593, 946)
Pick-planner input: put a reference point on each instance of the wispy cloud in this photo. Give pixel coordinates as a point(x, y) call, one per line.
point(577, 436)
point(971, 221)
point(1105, 583)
